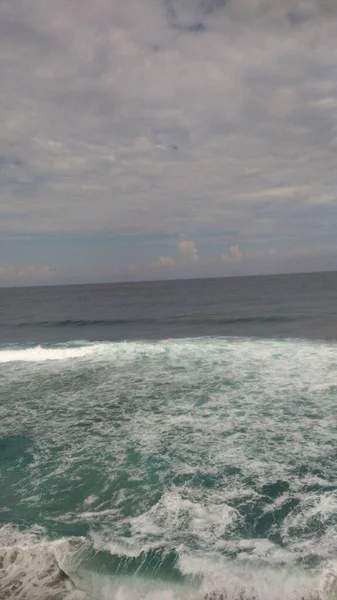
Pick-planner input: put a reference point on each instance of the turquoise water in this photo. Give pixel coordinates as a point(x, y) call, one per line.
point(169, 469)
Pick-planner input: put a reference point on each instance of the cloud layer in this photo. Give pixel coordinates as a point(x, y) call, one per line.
point(211, 119)
point(9, 272)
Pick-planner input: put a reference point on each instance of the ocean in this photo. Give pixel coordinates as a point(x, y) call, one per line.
point(169, 440)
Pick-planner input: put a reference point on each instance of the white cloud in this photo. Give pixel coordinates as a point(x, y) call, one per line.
point(164, 261)
point(12, 271)
point(279, 192)
point(188, 251)
point(234, 254)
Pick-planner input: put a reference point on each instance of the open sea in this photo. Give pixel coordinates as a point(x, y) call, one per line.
point(169, 440)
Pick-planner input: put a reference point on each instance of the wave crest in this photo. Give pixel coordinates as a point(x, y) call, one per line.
point(39, 354)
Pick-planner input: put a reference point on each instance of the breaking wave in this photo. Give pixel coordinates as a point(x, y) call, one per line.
point(35, 568)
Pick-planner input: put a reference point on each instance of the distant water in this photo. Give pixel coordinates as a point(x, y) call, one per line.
point(170, 440)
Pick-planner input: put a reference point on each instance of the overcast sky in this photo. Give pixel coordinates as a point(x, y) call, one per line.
point(147, 139)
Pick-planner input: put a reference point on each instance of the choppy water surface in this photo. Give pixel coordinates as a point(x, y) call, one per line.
point(186, 449)
point(169, 469)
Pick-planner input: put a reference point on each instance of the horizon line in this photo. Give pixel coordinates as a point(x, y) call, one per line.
point(167, 280)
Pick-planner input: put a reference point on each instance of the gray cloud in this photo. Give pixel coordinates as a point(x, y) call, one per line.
point(170, 116)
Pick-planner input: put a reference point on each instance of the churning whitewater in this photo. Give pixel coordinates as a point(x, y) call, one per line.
point(186, 468)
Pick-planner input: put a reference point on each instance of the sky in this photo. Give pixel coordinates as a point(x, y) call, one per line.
point(154, 139)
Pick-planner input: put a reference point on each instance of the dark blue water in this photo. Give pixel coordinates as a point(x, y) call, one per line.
point(300, 305)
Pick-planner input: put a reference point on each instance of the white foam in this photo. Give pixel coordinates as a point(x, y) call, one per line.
point(100, 587)
point(38, 354)
point(30, 570)
point(229, 580)
point(207, 523)
point(184, 417)
point(213, 350)
point(90, 500)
